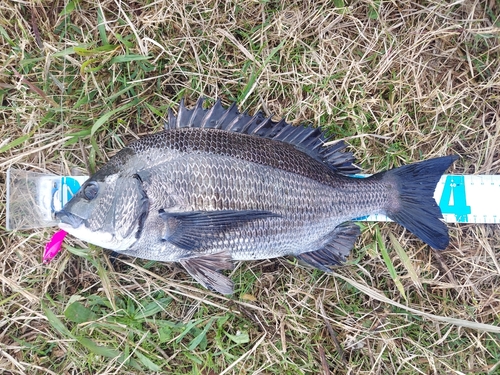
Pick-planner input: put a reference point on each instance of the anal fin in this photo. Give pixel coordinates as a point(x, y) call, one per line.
point(335, 249)
point(205, 269)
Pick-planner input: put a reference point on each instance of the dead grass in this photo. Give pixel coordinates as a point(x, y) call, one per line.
point(401, 81)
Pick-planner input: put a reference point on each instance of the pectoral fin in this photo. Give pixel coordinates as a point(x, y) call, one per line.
point(200, 229)
point(205, 269)
point(337, 246)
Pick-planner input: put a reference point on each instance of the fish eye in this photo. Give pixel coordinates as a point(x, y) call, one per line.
point(90, 191)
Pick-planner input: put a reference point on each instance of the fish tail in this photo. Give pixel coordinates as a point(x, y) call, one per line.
point(413, 205)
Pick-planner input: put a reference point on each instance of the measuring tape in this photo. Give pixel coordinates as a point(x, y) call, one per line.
point(465, 199)
point(469, 198)
point(462, 198)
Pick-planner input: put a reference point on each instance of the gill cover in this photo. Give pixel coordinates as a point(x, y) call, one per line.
point(113, 205)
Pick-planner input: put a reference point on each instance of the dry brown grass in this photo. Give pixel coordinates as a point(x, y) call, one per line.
point(401, 81)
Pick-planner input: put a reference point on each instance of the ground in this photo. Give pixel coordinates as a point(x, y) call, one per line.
point(400, 81)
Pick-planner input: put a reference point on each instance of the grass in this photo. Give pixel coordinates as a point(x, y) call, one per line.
point(400, 82)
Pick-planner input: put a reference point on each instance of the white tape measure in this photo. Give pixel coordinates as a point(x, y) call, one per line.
point(469, 198)
point(465, 199)
point(33, 197)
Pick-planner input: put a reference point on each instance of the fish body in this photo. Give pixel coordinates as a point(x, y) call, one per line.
point(217, 186)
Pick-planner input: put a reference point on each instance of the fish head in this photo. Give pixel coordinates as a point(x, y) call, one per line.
point(109, 210)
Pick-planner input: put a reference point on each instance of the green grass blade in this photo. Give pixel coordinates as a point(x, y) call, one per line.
point(406, 261)
point(202, 336)
point(129, 58)
point(150, 365)
point(16, 142)
point(187, 329)
point(56, 323)
point(241, 338)
point(77, 313)
point(98, 349)
point(389, 264)
point(105, 118)
point(101, 26)
point(153, 308)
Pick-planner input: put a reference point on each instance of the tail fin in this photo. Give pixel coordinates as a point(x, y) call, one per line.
point(414, 206)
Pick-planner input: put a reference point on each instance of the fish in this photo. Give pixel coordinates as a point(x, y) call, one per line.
point(218, 185)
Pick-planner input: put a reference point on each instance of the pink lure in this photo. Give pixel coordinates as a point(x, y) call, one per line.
point(53, 246)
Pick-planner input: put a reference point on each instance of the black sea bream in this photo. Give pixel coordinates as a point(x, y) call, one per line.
point(218, 186)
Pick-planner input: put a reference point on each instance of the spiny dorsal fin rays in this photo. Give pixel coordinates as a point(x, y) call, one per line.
point(183, 116)
point(197, 112)
point(171, 120)
point(230, 118)
point(305, 138)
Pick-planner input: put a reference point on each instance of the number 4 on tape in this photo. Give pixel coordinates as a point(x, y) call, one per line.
point(454, 199)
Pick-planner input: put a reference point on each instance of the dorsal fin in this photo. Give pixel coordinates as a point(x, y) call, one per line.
point(305, 138)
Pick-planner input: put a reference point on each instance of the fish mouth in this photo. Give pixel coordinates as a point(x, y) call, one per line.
point(68, 218)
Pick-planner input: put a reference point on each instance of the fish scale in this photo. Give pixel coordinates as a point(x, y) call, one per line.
point(252, 192)
point(217, 142)
point(218, 186)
